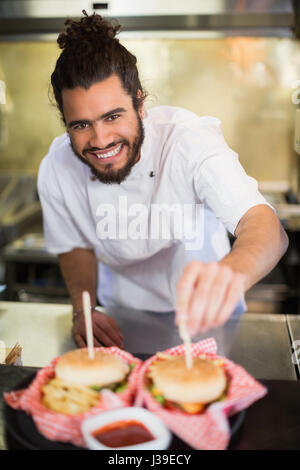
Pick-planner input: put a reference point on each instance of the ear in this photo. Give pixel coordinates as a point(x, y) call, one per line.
point(142, 106)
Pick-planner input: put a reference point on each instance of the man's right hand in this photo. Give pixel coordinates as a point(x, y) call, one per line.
point(105, 330)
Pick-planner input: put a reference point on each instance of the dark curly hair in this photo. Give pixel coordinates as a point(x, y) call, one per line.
point(91, 53)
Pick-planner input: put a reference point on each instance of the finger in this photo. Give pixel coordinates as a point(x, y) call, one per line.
point(185, 289)
point(106, 339)
point(107, 336)
point(201, 297)
point(97, 343)
point(216, 299)
point(80, 341)
point(109, 324)
point(114, 334)
point(104, 325)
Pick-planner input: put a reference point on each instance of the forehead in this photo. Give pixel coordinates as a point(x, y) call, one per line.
point(100, 98)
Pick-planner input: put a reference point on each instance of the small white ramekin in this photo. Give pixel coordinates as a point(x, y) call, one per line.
point(160, 432)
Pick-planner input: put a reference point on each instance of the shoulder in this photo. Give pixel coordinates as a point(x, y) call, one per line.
point(59, 147)
point(183, 124)
point(58, 164)
point(191, 138)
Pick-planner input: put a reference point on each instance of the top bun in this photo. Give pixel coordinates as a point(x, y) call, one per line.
point(203, 383)
point(76, 367)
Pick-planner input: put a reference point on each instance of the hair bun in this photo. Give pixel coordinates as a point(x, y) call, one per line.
point(87, 28)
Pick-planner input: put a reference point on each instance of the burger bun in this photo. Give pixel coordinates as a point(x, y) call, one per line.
point(203, 383)
point(77, 368)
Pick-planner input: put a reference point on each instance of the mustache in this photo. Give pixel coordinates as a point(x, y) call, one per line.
point(112, 144)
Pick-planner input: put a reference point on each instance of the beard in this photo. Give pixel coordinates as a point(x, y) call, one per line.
point(110, 176)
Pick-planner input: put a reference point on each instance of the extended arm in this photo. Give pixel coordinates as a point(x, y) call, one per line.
point(207, 293)
point(261, 242)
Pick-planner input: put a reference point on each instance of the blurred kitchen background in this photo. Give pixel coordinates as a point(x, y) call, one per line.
point(236, 60)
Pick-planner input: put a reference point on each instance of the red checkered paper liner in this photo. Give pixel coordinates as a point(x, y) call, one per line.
point(66, 428)
point(209, 430)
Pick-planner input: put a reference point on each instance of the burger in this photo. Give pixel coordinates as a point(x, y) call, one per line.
point(79, 380)
point(175, 386)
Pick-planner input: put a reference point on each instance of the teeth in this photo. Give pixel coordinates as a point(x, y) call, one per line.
point(109, 154)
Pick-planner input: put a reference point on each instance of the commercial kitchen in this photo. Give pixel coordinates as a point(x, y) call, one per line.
point(237, 62)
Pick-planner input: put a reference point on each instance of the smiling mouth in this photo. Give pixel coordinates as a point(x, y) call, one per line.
point(109, 154)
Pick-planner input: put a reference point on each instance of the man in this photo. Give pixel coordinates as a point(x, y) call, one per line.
point(119, 160)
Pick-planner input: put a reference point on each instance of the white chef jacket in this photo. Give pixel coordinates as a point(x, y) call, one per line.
point(184, 161)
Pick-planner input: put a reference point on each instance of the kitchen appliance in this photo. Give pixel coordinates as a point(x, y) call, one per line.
point(254, 18)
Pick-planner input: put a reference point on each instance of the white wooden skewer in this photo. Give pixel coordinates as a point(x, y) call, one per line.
point(86, 303)
point(184, 335)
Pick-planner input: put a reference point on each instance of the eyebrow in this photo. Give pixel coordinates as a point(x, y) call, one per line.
point(103, 116)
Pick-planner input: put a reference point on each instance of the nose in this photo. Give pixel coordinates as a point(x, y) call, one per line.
point(101, 136)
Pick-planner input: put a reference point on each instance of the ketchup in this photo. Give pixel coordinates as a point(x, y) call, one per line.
point(123, 433)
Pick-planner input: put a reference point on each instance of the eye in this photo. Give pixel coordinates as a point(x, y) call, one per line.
point(80, 126)
point(113, 117)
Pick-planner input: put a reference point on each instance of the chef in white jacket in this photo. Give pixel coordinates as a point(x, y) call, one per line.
point(137, 203)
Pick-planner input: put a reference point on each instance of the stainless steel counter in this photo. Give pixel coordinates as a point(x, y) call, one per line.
point(259, 342)
point(262, 345)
